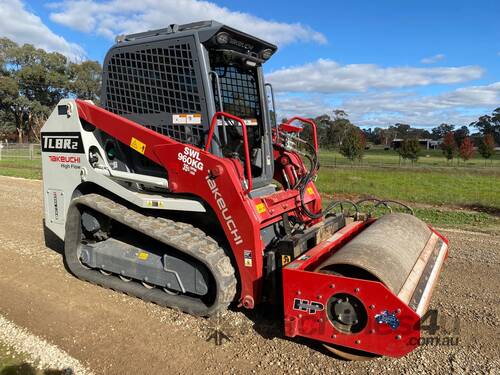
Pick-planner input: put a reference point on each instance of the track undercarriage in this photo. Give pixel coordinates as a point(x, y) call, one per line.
point(212, 285)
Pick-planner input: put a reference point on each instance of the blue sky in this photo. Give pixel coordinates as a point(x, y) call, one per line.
point(418, 62)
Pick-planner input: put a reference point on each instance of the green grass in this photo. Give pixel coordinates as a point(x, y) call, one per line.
point(453, 187)
point(428, 158)
point(21, 168)
point(474, 221)
point(12, 363)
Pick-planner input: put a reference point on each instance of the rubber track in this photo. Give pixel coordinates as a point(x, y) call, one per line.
point(181, 236)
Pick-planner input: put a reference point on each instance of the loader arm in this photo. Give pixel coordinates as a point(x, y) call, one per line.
point(219, 182)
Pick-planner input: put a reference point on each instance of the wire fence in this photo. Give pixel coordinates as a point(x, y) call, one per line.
point(20, 151)
point(430, 181)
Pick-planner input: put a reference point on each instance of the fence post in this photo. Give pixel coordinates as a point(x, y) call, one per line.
point(31, 151)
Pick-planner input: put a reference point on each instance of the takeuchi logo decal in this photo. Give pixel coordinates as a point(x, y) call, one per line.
point(221, 204)
point(64, 159)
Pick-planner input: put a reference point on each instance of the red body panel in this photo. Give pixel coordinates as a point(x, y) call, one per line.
point(301, 282)
point(219, 183)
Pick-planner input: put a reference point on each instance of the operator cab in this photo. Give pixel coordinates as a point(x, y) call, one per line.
point(174, 80)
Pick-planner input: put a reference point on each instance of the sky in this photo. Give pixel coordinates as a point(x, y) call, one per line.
point(417, 62)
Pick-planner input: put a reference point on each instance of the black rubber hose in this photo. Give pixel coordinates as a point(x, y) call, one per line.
point(307, 178)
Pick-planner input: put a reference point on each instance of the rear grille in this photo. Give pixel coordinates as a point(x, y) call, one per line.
point(148, 85)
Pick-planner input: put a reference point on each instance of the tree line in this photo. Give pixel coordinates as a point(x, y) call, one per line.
point(337, 132)
point(32, 81)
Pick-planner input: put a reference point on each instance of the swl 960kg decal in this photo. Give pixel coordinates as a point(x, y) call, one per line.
point(191, 161)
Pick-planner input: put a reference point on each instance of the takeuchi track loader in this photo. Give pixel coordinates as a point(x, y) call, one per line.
point(183, 190)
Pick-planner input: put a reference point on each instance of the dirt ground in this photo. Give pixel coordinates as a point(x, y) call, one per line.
point(112, 333)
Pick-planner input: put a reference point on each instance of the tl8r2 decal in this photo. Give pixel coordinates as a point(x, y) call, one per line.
point(62, 142)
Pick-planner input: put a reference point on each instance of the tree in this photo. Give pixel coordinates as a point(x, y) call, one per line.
point(332, 131)
point(466, 149)
point(32, 81)
point(487, 147)
point(440, 131)
point(85, 80)
point(489, 124)
point(353, 144)
point(449, 146)
point(461, 134)
point(410, 149)
point(339, 114)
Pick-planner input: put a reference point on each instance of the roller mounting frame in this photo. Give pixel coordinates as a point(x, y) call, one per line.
point(306, 295)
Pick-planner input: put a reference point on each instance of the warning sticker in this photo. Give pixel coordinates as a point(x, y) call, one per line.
point(250, 121)
point(247, 254)
point(142, 255)
point(310, 190)
point(186, 119)
point(247, 121)
point(260, 207)
point(137, 145)
point(155, 203)
point(285, 259)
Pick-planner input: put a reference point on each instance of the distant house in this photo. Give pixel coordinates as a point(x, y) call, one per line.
point(426, 143)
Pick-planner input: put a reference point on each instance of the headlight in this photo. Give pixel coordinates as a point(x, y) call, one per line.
point(222, 38)
point(265, 54)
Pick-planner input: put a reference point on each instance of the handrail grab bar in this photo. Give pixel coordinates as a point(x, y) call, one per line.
point(245, 141)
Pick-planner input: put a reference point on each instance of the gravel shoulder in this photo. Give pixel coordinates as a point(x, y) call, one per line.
point(108, 332)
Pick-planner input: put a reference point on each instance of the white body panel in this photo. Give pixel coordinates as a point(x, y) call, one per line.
point(65, 164)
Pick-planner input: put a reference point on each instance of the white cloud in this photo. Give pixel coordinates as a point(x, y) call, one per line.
point(22, 26)
point(327, 76)
point(460, 106)
point(433, 59)
point(114, 17)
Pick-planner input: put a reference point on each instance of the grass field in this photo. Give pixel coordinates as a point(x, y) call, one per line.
point(453, 187)
point(443, 194)
point(429, 158)
point(21, 168)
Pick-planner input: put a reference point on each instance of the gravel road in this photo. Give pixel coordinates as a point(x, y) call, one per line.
point(111, 333)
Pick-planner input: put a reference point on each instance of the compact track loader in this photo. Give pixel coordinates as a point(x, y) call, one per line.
point(183, 190)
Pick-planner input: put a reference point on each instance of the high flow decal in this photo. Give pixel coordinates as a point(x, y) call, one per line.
point(191, 161)
point(221, 204)
point(62, 142)
point(309, 306)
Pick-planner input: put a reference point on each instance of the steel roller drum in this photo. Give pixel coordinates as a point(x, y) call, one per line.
point(386, 251)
